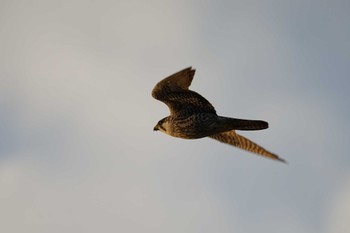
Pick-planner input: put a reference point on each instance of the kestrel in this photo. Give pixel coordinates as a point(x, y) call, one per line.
point(192, 116)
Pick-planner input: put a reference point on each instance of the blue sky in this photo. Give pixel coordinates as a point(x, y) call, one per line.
point(77, 150)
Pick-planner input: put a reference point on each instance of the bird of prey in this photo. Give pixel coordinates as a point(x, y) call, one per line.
point(192, 116)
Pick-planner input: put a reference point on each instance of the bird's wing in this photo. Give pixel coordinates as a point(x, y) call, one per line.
point(234, 139)
point(174, 92)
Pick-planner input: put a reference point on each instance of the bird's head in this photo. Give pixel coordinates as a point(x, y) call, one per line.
point(162, 125)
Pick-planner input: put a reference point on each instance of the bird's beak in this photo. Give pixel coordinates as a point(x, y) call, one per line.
point(155, 128)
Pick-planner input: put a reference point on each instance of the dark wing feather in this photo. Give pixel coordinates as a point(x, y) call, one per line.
point(234, 139)
point(174, 92)
point(180, 81)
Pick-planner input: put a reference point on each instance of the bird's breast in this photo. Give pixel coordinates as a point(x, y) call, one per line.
point(193, 126)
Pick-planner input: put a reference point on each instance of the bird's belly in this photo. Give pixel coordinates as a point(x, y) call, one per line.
point(194, 126)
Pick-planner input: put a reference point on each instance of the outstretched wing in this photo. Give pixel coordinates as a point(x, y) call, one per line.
point(174, 92)
point(234, 139)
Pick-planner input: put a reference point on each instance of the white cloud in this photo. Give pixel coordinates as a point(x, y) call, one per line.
point(338, 215)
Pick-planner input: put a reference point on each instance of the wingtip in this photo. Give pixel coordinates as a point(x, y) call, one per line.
point(282, 160)
point(189, 68)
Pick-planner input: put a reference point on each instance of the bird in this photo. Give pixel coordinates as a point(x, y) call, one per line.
point(193, 117)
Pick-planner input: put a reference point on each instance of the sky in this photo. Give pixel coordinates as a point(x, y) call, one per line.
point(77, 147)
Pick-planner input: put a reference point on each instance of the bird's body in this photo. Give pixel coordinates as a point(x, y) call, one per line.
point(192, 116)
point(203, 124)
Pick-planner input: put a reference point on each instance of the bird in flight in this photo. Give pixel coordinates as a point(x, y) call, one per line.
point(192, 116)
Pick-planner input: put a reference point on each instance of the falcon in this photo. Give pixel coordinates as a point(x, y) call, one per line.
point(192, 116)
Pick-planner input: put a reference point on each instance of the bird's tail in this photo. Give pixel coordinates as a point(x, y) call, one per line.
point(241, 124)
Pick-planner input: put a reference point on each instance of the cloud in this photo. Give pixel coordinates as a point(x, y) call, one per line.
point(339, 210)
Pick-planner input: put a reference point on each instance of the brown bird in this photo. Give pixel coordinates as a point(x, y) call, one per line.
point(192, 116)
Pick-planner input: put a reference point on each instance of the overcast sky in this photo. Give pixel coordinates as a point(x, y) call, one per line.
point(77, 149)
